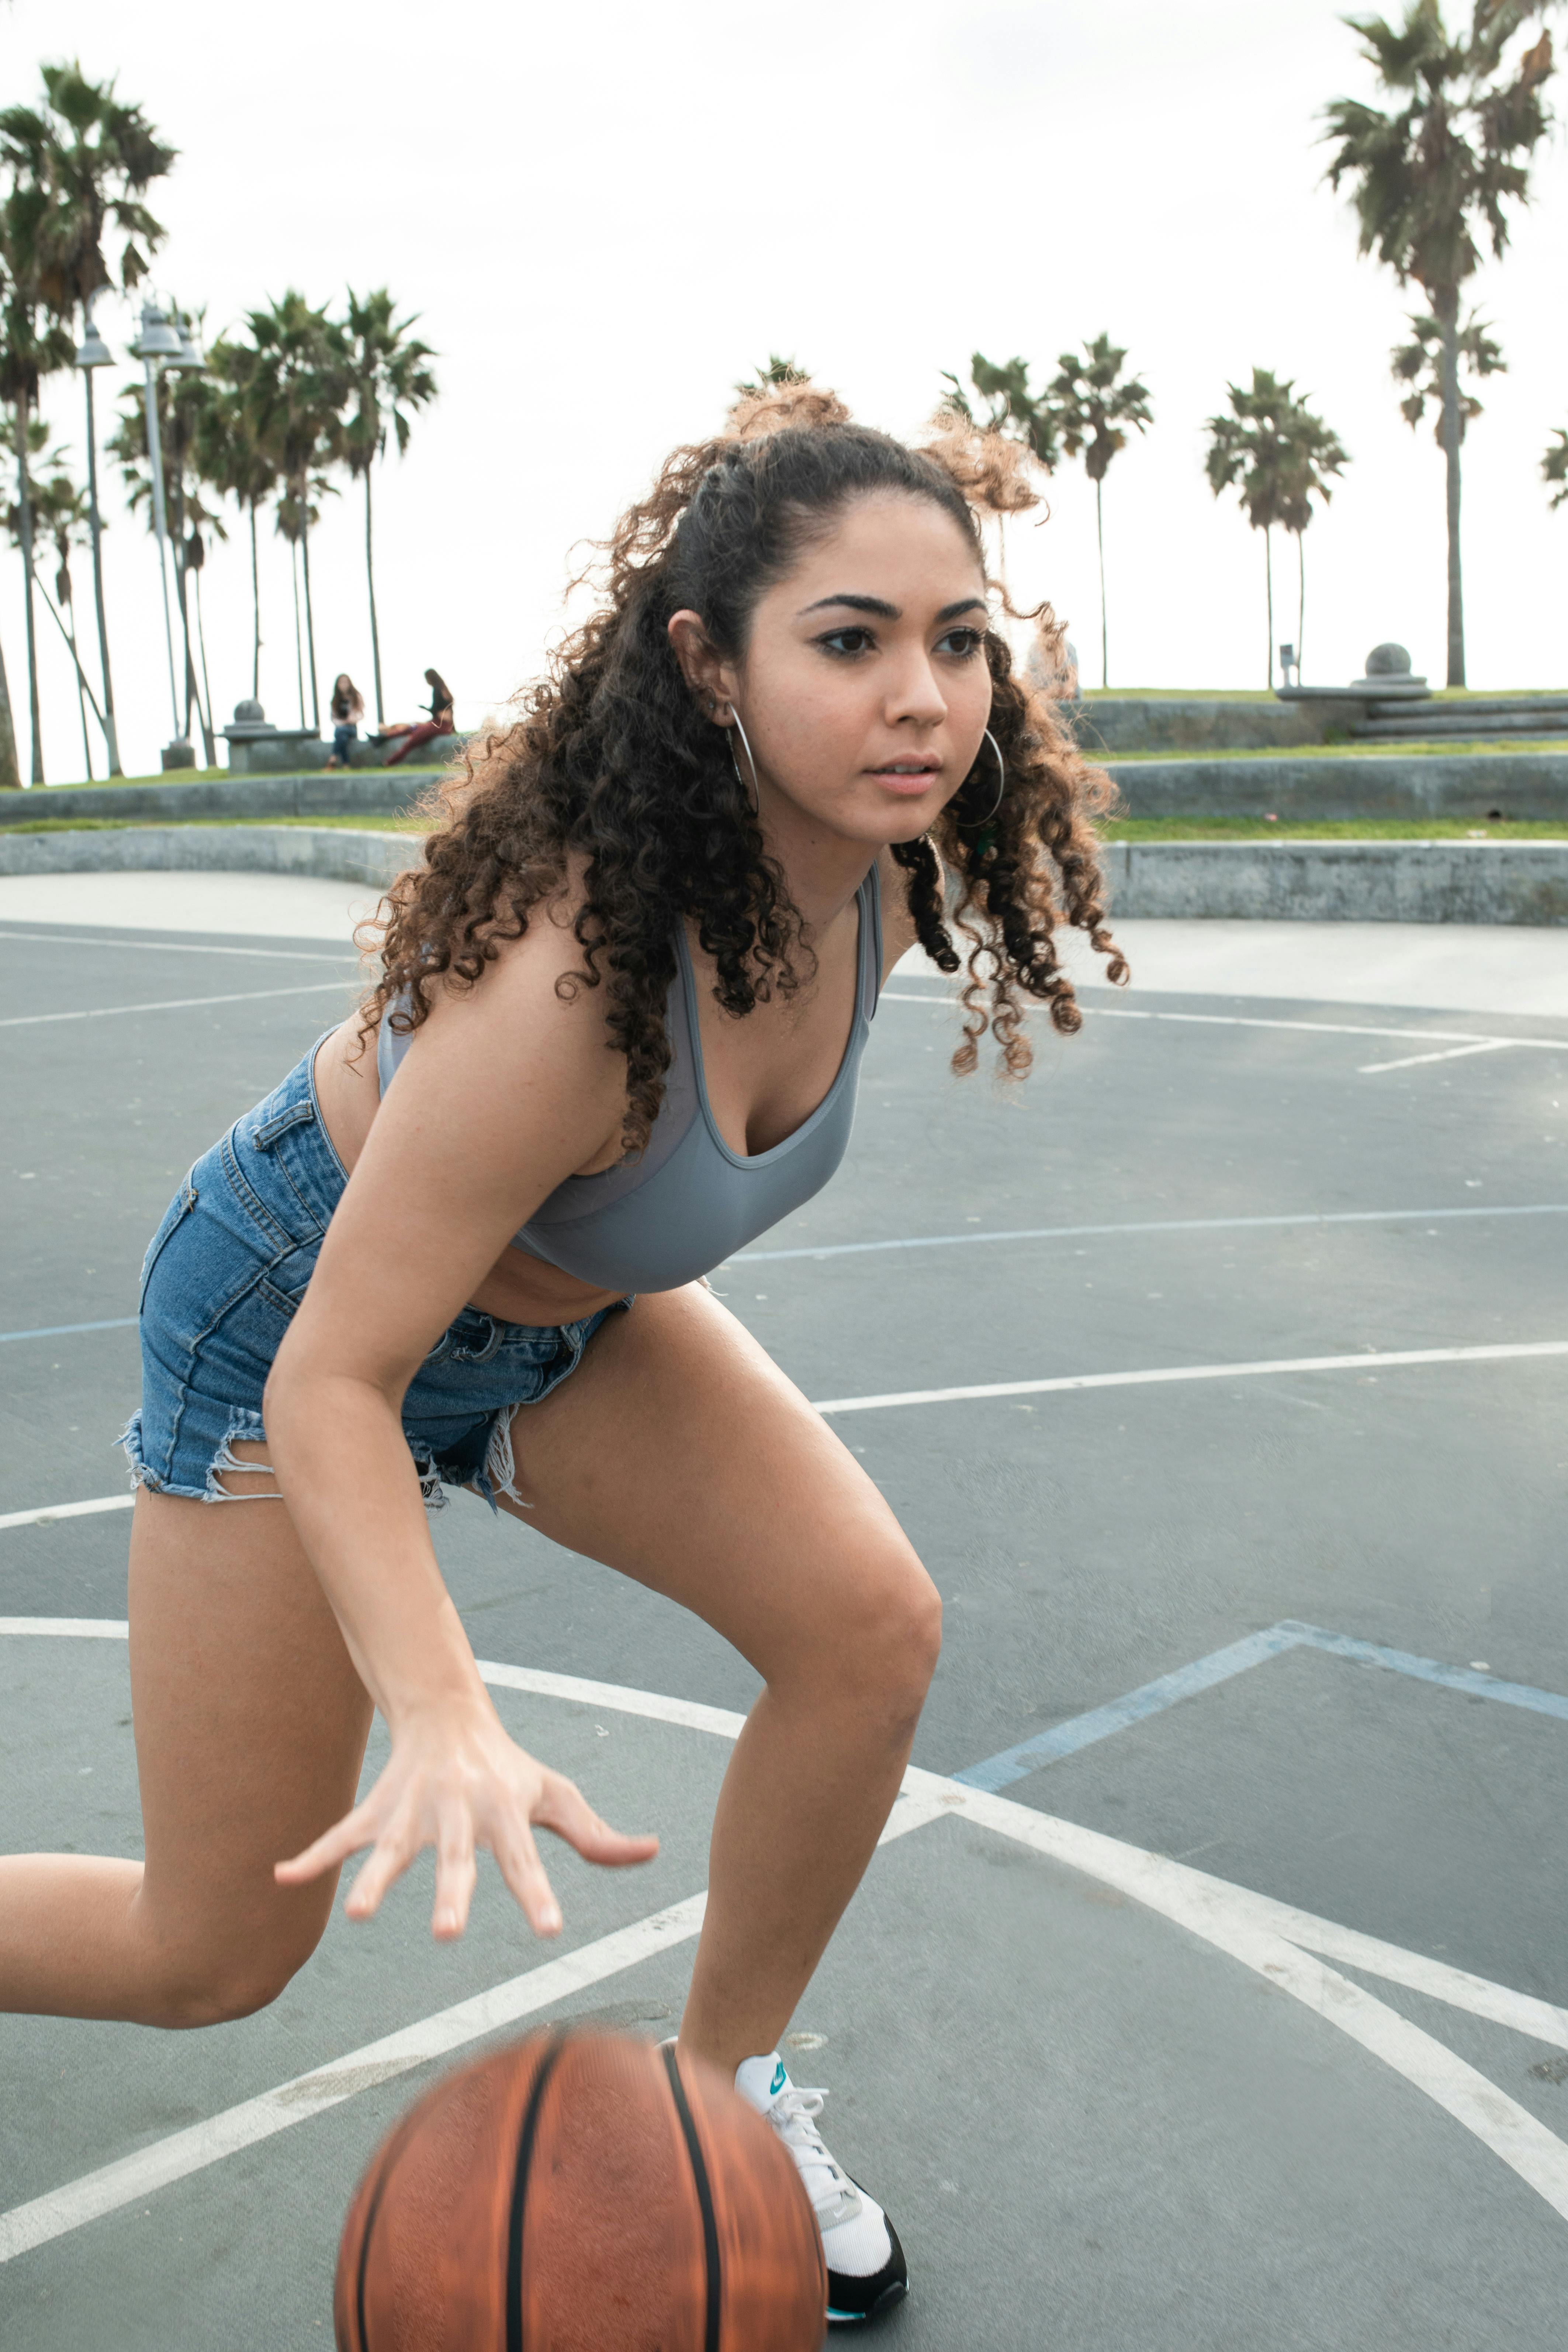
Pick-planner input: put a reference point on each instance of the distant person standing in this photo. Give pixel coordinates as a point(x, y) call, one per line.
point(438, 723)
point(348, 709)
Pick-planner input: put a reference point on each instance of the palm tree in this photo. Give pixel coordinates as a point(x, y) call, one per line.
point(386, 374)
point(33, 344)
point(1316, 452)
point(1093, 404)
point(1554, 467)
point(230, 459)
point(1013, 410)
point(294, 518)
point(777, 372)
point(1256, 449)
point(183, 398)
point(1420, 364)
point(57, 510)
point(296, 393)
point(95, 158)
point(1434, 175)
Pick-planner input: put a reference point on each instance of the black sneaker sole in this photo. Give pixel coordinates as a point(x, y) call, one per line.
point(853, 2301)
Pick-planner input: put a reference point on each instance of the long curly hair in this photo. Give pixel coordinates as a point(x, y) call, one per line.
point(613, 776)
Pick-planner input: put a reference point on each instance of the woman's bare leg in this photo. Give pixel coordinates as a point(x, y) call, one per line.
point(680, 1454)
point(250, 1729)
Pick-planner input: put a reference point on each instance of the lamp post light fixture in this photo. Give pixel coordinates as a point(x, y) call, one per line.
point(94, 353)
point(159, 342)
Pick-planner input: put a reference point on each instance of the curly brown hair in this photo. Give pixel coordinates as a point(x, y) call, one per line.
point(612, 772)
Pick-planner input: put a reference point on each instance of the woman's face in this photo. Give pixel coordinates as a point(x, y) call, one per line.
point(864, 688)
point(343, 686)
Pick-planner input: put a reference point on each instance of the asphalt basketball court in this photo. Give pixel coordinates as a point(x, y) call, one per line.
point(1211, 1987)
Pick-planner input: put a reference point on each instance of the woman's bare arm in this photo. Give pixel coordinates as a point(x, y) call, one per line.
point(503, 1092)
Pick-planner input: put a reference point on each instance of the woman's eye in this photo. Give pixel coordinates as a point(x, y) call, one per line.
point(846, 642)
point(961, 643)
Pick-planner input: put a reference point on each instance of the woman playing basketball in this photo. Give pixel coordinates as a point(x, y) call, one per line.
point(623, 1006)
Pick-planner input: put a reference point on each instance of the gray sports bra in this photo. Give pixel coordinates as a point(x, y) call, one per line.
point(690, 1202)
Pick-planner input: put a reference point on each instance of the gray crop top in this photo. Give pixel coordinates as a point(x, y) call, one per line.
point(690, 1202)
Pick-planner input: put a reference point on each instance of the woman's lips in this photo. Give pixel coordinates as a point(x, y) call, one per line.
point(909, 783)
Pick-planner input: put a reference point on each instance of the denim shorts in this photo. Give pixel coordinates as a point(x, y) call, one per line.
point(222, 1278)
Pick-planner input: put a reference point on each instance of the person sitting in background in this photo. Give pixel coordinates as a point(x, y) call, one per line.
point(348, 709)
point(438, 723)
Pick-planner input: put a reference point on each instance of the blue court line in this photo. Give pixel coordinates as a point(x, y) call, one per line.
point(1161, 1225)
point(59, 1330)
point(998, 1773)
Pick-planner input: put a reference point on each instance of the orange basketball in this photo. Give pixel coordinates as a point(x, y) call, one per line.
point(581, 2193)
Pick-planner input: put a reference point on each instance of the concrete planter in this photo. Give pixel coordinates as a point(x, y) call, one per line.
point(1342, 881)
point(1339, 787)
point(1275, 881)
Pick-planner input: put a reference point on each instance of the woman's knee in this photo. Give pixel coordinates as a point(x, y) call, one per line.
point(217, 1983)
point(882, 1638)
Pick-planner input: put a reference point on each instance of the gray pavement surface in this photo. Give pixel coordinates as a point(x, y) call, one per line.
point(1095, 2127)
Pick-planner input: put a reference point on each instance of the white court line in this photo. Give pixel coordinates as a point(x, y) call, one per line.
point(1247, 1020)
point(1263, 1935)
point(174, 1003)
point(1449, 1054)
point(47, 1513)
point(179, 947)
point(1501, 1351)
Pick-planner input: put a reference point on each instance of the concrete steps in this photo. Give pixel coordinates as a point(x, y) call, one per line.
point(1530, 717)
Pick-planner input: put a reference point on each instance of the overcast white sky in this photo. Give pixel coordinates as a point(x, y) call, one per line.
point(606, 215)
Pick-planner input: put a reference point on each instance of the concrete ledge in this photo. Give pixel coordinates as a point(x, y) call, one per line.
point(381, 792)
point(1192, 722)
point(1342, 881)
point(1280, 881)
point(1338, 787)
point(347, 857)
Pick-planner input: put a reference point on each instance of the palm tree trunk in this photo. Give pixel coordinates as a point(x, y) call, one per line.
point(309, 615)
point(1300, 596)
point(1099, 534)
point(299, 642)
point(25, 508)
point(10, 775)
point(1269, 578)
point(110, 734)
point(1448, 318)
point(374, 632)
point(193, 691)
point(256, 607)
point(206, 682)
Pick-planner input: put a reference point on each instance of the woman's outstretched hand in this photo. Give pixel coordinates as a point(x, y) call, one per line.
point(454, 1780)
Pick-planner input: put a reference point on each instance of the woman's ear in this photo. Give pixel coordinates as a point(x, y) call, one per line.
point(703, 667)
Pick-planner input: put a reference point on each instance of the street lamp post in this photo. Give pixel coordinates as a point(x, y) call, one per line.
point(159, 342)
point(94, 353)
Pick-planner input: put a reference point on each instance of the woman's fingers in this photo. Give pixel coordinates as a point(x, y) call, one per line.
point(524, 1873)
point(390, 1856)
point(335, 1845)
point(563, 1808)
point(455, 1872)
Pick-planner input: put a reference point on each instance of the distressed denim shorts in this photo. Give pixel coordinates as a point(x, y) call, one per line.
point(220, 1283)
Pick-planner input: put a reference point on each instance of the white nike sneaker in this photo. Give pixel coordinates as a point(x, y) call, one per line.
point(866, 2268)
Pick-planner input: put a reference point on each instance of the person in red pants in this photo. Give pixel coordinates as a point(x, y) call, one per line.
point(438, 723)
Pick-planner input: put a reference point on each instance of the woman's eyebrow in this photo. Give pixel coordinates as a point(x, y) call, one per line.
point(886, 612)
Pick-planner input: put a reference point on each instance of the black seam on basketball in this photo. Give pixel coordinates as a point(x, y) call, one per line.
point(704, 2199)
point(519, 2193)
point(394, 2151)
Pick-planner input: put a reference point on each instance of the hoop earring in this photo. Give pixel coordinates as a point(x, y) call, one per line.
point(753, 797)
point(972, 822)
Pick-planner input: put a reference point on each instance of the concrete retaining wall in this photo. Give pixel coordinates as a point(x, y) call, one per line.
point(381, 792)
point(1343, 881)
point(1301, 881)
point(1339, 787)
point(1190, 722)
point(347, 857)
